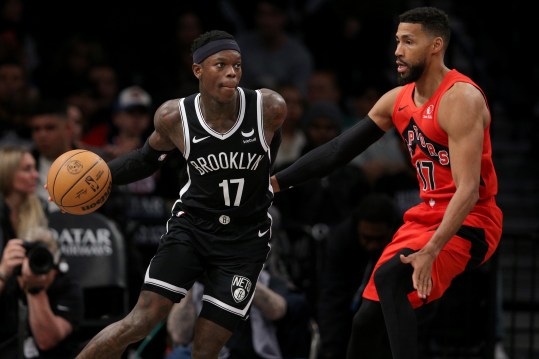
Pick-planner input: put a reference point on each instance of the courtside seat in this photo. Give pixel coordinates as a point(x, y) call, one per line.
point(95, 251)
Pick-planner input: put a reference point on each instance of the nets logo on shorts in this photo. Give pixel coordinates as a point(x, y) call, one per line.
point(240, 287)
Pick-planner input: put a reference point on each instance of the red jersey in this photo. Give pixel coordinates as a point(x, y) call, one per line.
point(428, 143)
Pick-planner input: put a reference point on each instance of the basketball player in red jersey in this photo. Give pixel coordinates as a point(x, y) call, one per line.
point(444, 119)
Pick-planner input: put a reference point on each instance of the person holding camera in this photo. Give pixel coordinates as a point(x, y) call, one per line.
point(40, 306)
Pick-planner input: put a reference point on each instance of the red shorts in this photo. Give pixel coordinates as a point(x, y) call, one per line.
point(420, 222)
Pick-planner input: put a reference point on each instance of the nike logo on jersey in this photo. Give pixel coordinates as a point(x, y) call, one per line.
point(261, 234)
point(197, 140)
point(402, 108)
point(248, 134)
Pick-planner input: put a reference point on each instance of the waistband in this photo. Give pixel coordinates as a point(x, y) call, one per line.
point(222, 218)
point(434, 202)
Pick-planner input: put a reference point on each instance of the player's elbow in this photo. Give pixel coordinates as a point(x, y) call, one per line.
point(471, 192)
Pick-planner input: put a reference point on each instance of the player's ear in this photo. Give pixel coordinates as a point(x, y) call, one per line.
point(197, 70)
point(437, 44)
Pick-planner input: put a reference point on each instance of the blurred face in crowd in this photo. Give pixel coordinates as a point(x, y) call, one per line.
point(323, 86)
point(132, 122)
point(76, 121)
point(373, 236)
point(105, 81)
point(26, 176)
point(322, 130)
point(12, 81)
point(51, 134)
point(295, 105)
point(270, 20)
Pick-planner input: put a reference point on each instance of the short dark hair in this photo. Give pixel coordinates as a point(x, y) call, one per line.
point(433, 20)
point(50, 107)
point(208, 37)
point(380, 208)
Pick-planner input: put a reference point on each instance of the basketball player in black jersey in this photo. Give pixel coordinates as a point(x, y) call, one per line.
point(219, 230)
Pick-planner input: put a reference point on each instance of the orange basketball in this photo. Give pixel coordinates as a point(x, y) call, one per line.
point(79, 181)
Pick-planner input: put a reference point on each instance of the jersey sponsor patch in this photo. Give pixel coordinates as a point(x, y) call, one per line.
point(248, 134)
point(429, 112)
point(240, 287)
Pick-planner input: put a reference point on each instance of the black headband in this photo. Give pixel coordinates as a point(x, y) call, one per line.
point(212, 47)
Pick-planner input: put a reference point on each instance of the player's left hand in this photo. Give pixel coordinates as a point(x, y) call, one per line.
point(421, 277)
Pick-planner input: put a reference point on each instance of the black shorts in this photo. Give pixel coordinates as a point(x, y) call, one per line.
point(227, 259)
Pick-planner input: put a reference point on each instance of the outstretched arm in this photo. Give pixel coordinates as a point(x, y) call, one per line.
point(326, 158)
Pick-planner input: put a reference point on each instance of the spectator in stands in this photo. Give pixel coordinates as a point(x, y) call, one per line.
point(132, 119)
point(17, 38)
point(293, 135)
point(352, 248)
point(52, 135)
point(17, 96)
point(260, 336)
point(174, 77)
point(385, 157)
point(273, 55)
point(97, 97)
point(21, 212)
point(20, 207)
point(40, 306)
point(309, 211)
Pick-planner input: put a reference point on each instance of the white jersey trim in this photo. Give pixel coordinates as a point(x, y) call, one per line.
point(211, 131)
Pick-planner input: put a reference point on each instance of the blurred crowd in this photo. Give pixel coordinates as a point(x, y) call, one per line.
point(91, 76)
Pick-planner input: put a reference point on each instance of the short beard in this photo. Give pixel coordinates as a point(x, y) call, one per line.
point(414, 73)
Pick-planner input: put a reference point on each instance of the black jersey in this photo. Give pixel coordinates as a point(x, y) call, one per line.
point(228, 172)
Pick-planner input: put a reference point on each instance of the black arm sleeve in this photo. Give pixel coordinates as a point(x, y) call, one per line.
point(136, 165)
point(324, 159)
point(275, 144)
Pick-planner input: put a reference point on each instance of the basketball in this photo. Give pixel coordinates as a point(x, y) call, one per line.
point(79, 181)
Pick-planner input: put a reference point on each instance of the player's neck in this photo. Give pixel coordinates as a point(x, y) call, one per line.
point(220, 116)
point(427, 85)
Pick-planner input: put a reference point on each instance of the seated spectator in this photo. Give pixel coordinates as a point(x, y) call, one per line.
point(274, 55)
point(293, 136)
point(384, 157)
point(309, 211)
point(40, 306)
point(52, 135)
point(352, 249)
point(17, 96)
point(259, 337)
point(401, 182)
point(138, 208)
point(132, 119)
point(20, 207)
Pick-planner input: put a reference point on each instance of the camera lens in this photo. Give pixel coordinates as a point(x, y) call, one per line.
point(40, 259)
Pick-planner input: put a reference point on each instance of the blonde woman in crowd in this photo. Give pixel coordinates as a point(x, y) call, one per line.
point(20, 207)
